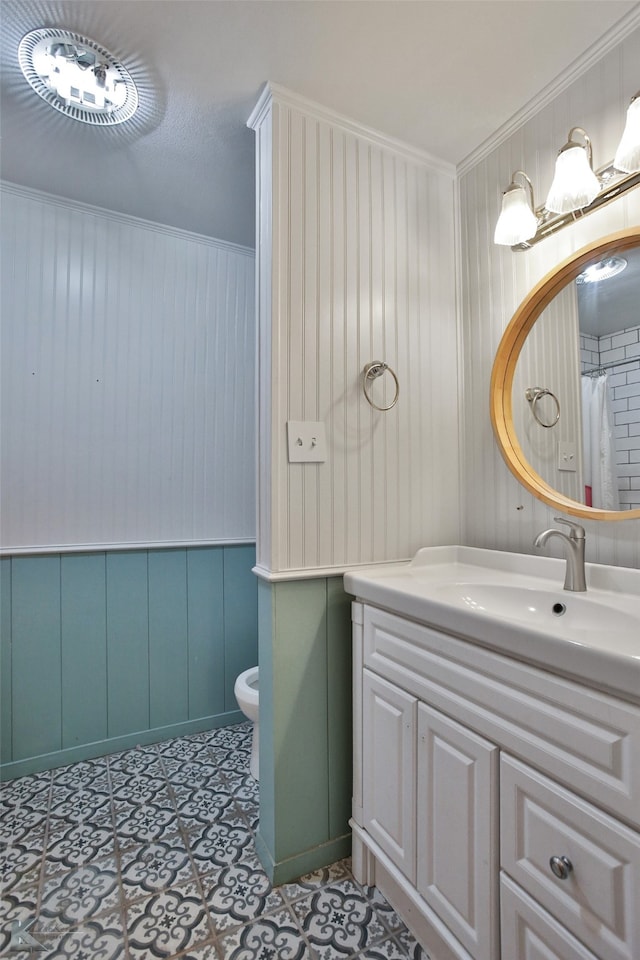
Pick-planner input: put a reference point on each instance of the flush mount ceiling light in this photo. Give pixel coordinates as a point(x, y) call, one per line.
point(77, 76)
point(576, 189)
point(602, 270)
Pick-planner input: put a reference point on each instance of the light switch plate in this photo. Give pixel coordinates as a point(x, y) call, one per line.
point(307, 441)
point(567, 454)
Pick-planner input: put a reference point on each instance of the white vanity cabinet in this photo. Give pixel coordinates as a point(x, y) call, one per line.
point(472, 770)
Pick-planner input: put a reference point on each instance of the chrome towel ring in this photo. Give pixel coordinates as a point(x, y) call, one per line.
point(371, 372)
point(533, 395)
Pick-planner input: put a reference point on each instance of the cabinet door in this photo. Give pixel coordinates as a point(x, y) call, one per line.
point(457, 830)
point(389, 770)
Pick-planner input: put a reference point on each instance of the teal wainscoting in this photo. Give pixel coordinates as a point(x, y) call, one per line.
point(103, 651)
point(305, 725)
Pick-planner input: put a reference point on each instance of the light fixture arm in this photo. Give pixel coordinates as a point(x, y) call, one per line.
point(573, 143)
point(521, 173)
point(614, 185)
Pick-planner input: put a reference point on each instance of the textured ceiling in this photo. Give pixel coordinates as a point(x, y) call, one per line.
point(611, 305)
point(440, 75)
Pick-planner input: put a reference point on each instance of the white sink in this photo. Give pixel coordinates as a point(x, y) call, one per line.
point(543, 608)
point(516, 603)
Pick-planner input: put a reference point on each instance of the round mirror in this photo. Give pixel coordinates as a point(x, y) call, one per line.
point(565, 385)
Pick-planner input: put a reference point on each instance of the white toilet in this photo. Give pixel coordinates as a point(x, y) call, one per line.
point(246, 691)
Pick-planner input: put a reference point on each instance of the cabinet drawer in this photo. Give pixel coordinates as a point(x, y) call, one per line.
point(530, 933)
point(588, 740)
point(598, 900)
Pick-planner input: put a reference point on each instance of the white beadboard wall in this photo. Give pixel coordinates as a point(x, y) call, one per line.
point(128, 396)
point(498, 511)
point(356, 263)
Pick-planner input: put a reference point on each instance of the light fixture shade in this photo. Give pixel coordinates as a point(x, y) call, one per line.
point(77, 76)
point(517, 221)
point(575, 184)
point(602, 270)
point(627, 158)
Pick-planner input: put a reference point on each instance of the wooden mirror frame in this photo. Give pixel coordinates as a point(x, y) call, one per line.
point(504, 367)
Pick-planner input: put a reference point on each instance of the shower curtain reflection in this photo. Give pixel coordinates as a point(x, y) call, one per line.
point(599, 454)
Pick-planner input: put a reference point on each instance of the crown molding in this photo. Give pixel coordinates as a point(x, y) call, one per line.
point(274, 93)
point(6, 186)
point(261, 108)
point(573, 72)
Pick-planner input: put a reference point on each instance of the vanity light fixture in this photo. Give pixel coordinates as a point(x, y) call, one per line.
point(576, 189)
point(77, 76)
point(575, 184)
point(627, 156)
point(517, 221)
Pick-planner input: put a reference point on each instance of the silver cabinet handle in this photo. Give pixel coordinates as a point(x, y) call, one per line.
point(561, 867)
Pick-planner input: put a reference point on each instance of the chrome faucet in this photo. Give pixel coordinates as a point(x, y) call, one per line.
point(574, 542)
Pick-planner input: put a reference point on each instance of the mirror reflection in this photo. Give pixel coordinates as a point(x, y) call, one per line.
point(585, 350)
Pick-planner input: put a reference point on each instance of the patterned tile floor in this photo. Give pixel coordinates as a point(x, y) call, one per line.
point(150, 853)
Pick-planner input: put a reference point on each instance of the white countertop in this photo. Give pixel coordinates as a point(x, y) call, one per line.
point(516, 604)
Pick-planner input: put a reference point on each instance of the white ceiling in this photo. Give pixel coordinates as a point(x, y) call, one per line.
point(440, 75)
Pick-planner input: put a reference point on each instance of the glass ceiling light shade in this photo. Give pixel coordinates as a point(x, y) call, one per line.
point(602, 270)
point(517, 221)
point(627, 156)
point(575, 185)
point(77, 76)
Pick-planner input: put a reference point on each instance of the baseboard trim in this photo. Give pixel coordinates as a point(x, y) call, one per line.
point(86, 751)
point(286, 871)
